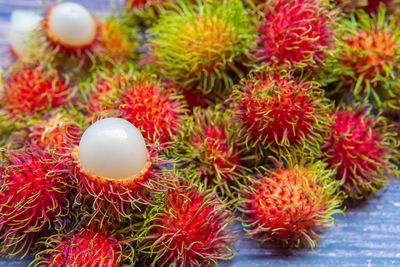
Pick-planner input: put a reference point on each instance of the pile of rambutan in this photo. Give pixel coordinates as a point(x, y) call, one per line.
point(143, 137)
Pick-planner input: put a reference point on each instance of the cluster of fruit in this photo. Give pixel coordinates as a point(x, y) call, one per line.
point(142, 137)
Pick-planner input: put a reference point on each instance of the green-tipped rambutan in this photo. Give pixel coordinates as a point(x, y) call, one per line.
point(366, 58)
point(187, 226)
point(291, 203)
point(34, 198)
point(361, 148)
point(32, 90)
point(199, 46)
point(209, 144)
point(279, 110)
point(295, 33)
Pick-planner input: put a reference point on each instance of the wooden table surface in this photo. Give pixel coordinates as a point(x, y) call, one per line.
point(368, 235)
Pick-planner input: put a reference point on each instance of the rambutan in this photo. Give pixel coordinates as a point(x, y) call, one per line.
point(369, 6)
point(33, 90)
point(291, 203)
point(295, 33)
point(361, 148)
point(200, 46)
point(187, 226)
point(115, 168)
point(366, 58)
point(35, 195)
point(85, 247)
point(207, 143)
point(278, 110)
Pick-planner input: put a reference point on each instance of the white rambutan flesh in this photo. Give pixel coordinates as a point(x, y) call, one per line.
point(22, 24)
point(112, 148)
point(71, 24)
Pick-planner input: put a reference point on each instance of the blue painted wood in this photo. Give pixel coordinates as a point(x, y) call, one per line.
point(368, 235)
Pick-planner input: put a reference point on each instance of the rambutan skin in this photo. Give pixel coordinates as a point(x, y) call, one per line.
point(295, 34)
point(277, 109)
point(33, 90)
point(35, 195)
point(187, 227)
point(289, 204)
point(198, 46)
point(361, 148)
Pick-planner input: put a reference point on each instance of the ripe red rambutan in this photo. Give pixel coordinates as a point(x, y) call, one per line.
point(187, 226)
point(33, 90)
point(295, 33)
point(278, 110)
point(361, 148)
point(86, 247)
point(369, 6)
point(290, 204)
point(34, 197)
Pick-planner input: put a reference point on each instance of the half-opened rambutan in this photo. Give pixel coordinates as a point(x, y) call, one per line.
point(208, 143)
point(115, 168)
point(187, 226)
point(34, 197)
point(200, 46)
point(278, 110)
point(295, 33)
point(33, 90)
point(290, 204)
point(361, 148)
point(85, 247)
point(366, 58)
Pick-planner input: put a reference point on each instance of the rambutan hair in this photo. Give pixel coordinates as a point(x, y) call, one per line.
point(295, 33)
point(199, 46)
point(35, 194)
point(291, 203)
point(361, 148)
point(187, 226)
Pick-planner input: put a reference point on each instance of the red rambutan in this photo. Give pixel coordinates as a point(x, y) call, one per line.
point(290, 204)
point(34, 197)
point(360, 147)
point(187, 227)
point(295, 33)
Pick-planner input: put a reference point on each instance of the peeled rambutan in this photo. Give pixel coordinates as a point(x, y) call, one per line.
point(115, 168)
point(33, 90)
point(200, 46)
point(366, 58)
point(290, 204)
point(361, 148)
point(278, 110)
point(295, 33)
point(85, 247)
point(207, 143)
point(187, 226)
point(35, 194)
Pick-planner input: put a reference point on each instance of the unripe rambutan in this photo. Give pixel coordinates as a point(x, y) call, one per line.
point(115, 168)
point(361, 148)
point(33, 90)
point(199, 46)
point(295, 33)
point(187, 226)
point(34, 197)
point(290, 204)
point(207, 143)
point(86, 247)
point(278, 110)
point(366, 58)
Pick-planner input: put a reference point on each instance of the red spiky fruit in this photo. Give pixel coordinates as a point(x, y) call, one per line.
point(295, 33)
point(360, 147)
point(188, 227)
point(369, 6)
point(34, 197)
point(33, 90)
point(86, 247)
point(290, 204)
point(280, 110)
